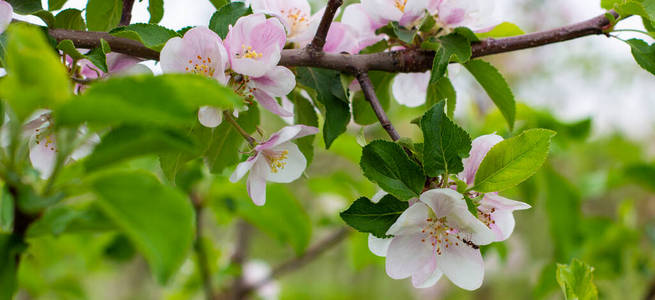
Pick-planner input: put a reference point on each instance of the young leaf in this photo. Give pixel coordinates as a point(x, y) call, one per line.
point(453, 46)
point(151, 35)
point(577, 280)
point(70, 19)
point(444, 143)
point(387, 164)
point(97, 55)
point(513, 160)
point(643, 54)
point(495, 86)
point(156, 10)
point(25, 7)
point(143, 209)
point(36, 78)
point(504, 29)
point(442, 90)
point(103, 15)
point(330, 92)
point(226, 16)
point(374, 218)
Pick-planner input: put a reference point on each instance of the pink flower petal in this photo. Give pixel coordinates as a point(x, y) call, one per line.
point(268, 102)
point(6, 12)
point(480, 146)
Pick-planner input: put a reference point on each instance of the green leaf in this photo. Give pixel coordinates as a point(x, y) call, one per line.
point(643, 54)
point(641, 174)
point(127, 142)
point(98, 56)
point(226, 142)
point(151, 35)
point(69, 48)
point(387, 164)
point(35, 76)
point(168, 100)
point(577, 280)
point(47, 17)
point(513, 160)
point(6, 212)
point(304, 113)
point(505, 29)
point(227, 15)
point(363, 113)
point(495, 86)
point(25, 7)
point(374, 218)
point(442, 90)
point(156, 10)
point(331, 95)
point(454, 46)
point(444, 143)
point(56, 4)
point(11, 247)
point(144, 210)
point(103, 15)
point(58, 220)
point(70, 19)
point(394, 30)
point(296, 228)
point(219, 3)
point(564, 213)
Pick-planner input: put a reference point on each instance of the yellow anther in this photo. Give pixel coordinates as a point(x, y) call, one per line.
point(400, 4)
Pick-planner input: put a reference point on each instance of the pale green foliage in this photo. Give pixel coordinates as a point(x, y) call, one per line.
point(576, 281)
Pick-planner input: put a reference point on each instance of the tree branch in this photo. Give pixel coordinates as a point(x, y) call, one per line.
point(316, 46)
point(311, 254)
point(203, 262)
point(239, 257)
point(369, 94)
point(393, 61)
point(126, 16)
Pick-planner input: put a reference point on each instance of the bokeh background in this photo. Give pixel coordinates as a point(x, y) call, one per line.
point(594, 199)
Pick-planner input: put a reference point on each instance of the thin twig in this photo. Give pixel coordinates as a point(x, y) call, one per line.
point(393, 61)
point(126, 16)
point(243, 133)
point(369, 94)
point(239, 255)
point(203, 261)
point(293, 264)
point(316, 46)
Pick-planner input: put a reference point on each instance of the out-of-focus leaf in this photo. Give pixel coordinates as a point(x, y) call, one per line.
point(374, 218)
point(495, 86)
point(226, 142)
point(6, 212)
point(25, 7)
point(64, 219)
point(227, 15)
point(504, 29)
point(70, 19)
point(304, 113)
point(35, 76)
point(10, 247)
point(387, 164)
point(156, 10)
point(563, 210)
point(151, 35)
point(513, 160)
point(576, 280)
point(445, 143)
point(158, 219)
point(103, 15)
point(641, 174)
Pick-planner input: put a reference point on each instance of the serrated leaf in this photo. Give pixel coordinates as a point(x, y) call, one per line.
point(577, 281)
point(70, 19)
point(442, 90)
point(47, 17)
point(143, 209)
point(304, 113)
point(103, 15)
point(505, 29)
point(387, 164)
point(513, 160)
point(151, 35)
point(168, 100)
point(128, 142)
point(56, 4)
point(25, 7)
point(227, 15)
point(331, 95)
point(496, 87)
point(444, 143)
point(643, 54)
point(374, 218)
point(156, 10)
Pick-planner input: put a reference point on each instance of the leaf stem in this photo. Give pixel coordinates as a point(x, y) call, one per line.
point(251, 140)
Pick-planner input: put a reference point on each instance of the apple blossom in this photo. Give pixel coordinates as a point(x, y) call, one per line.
point(363, 25)
point(295, 15)
point(6, 12)
point(437, 236)
point(494, 210)
point(405, 12)
point(410, 89)
point(474, 14)
point(276, 160)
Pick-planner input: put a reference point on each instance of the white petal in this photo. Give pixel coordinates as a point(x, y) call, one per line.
point(244, 167)
point(410, 89)
point(383, 9)
point(294, 164)
point(86, 148)
point(378, 196)
point(256, 183)
point(378, 246)
point(463, 265)
point(210, 116)
point(286, 134)
point(43, 156)
point(268, 102)
point(427, 276)
point(411, 221)
point(443, 201)
point(407, 254)
point(5, 15)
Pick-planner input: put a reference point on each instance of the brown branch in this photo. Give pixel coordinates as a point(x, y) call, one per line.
point(311, 254)
point(316, 46)
point(126, 16)
point(369, 94)
point(394, 61)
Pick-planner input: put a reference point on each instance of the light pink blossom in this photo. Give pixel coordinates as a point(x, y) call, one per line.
point(295, 15)
point(254, 44)
point(475, 14)
point(277, 82)
point(275, 160)
point(6, 12)
point(364, 25)
point(405, 12)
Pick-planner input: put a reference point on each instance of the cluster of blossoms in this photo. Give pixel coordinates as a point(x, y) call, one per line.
point(437, 235)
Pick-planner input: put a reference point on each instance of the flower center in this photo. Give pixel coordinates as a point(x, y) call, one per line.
point(484, 215)
point(201, 66)
point(400, 4)
point(442, 236)
point(296, 17)
point(241, 85)
point(276, 159)
point(247, 52)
